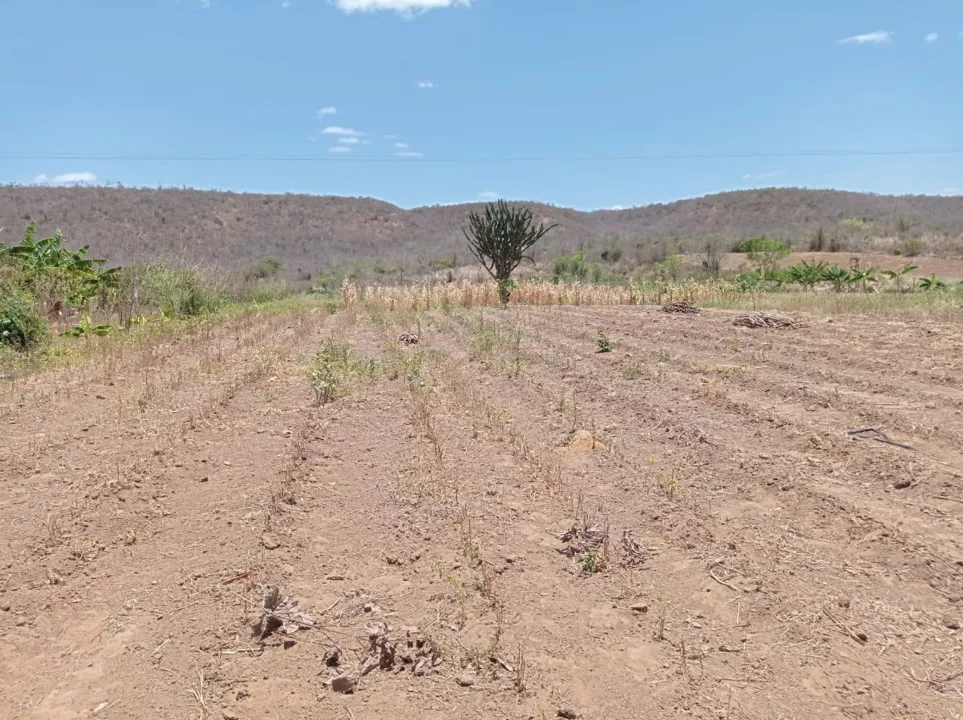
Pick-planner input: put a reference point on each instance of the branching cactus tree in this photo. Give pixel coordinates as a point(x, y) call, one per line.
point(501, 238)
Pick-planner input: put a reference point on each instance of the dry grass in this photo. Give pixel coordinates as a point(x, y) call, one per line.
point(942, 305)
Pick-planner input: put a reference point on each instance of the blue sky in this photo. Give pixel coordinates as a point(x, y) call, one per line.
point(573, 102)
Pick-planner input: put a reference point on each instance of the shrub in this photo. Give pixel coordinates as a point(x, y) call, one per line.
point(22, 325)
point(911, 247)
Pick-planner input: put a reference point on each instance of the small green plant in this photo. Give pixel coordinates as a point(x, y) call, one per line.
point(590, 562)
point(932, 283)
point(670, 487)
point(328, 372)
point(899, 274)
point(603, 343)
point(86, 327)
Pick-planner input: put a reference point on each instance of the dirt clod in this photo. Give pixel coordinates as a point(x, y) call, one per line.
point(270, 542)
point(466, 679)
point(567, 713)
point(344, 684)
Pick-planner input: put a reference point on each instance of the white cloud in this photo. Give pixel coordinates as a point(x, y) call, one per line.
point(401, 145)
point(404, 7)
point(330, 110)
point(764, 176)
point(391, 137)
point(340, 149)
point(951, 192)
point(286, 4)
point(489, 195)
point(932, 38)
point(349, 140)
point(880, 37)
point(408, 154)
point(74, 178)
point(336, 130)
point(426, 85)
point(618, 207)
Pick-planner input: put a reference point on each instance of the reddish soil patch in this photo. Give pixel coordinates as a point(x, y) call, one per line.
point(730, 550)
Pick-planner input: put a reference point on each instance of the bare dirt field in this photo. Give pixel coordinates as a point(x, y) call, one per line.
point(730, 550)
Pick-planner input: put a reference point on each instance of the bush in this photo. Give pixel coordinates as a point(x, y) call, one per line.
point(22, 325)
point(911, 247)
point(177, 292)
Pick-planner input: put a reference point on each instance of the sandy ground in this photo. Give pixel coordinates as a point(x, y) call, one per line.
point(731, 551)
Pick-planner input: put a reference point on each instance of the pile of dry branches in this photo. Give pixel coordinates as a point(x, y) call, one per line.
point(680, 307)
point(762, 320)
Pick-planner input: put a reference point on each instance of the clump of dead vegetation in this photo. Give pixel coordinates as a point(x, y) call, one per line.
point(764, 320)
point(682, 307)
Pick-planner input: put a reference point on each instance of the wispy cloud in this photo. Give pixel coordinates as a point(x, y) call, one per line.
point(408, 154)
point(330, 110)
point(286, 4)
point(403, 7)
point(401, 145)
point(880, 37)
point(426, 85)
point(489, 195)
point(931, 38)
point(340, 149)
point(337, 130)
point(73, 178)
point(349, 140)
point(764, 176)
point(951, 192)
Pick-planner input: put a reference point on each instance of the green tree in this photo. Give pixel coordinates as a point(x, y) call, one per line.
point(500, 239)
point(766, 253)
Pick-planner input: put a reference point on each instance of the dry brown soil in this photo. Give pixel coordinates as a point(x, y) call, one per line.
point(754, 560)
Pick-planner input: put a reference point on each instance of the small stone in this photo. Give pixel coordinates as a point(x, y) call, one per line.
point(332, 658)
point(567, 713)
point(230, 714)
point(343, 684)
point(393, 560)
point(902, 484)
point(270, 542)
point(334, 577)
point(951, 622)
point(466, 679)
point(5, 607)
point(21, 622)
point(639, 608)
point(203, 479)
point(423, 667)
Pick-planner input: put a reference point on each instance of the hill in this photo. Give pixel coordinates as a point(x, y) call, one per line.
point(311, 234)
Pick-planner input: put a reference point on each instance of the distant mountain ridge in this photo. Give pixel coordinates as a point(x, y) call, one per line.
point(310, 233)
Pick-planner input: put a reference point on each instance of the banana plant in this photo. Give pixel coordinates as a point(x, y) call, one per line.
point(865, 277)
point(87, 327)
point(839, 277)
point(932, 283)
point(808, 274)
point(899, 274)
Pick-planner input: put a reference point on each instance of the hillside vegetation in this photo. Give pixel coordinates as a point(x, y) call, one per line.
point(313, 235)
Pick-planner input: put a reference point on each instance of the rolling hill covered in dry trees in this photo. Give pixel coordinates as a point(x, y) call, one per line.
point(311, 233)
